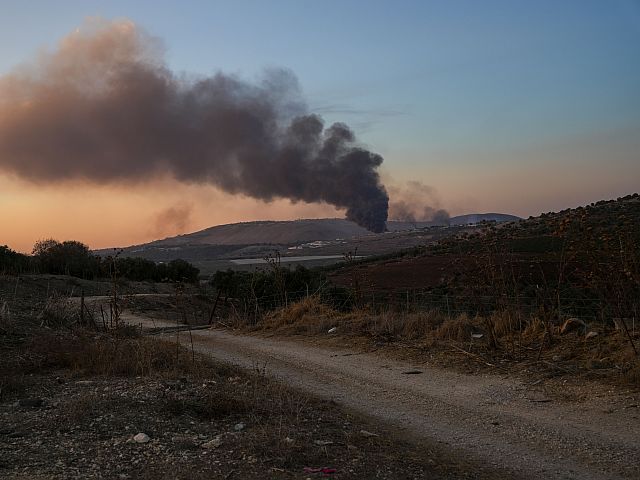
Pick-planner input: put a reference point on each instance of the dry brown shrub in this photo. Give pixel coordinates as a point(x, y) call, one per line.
point(385, 324)
point(455, 328)
point(309, 315)
point(420, 325)
point(504, 323)
point(534, 327)
point(59, 312)
point(394, 324)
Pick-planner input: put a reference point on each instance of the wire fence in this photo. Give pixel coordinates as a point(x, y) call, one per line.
point(423, 300)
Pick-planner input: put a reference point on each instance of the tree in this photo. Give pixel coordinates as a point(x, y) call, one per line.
point(12, 262)
point(41, 247)
point(181, 270)
point(67, 258)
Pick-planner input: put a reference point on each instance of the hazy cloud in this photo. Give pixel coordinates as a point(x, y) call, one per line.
point(173, 220)
point(416, 202)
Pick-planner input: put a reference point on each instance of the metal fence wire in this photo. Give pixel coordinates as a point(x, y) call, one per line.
point(422, 300)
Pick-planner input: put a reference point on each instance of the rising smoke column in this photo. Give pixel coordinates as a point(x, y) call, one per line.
point(105, 108)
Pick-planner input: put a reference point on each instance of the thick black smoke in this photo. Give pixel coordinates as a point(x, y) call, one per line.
point(104, 108)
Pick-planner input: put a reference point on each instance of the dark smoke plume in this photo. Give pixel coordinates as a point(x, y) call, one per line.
point(416, 202)
point(104, 107)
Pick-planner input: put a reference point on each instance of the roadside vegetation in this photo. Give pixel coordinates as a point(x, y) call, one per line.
point(501, 341)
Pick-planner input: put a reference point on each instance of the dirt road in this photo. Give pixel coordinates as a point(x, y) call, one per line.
point(495, 420)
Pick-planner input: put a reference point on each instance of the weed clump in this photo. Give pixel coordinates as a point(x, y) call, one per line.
point(309, 315)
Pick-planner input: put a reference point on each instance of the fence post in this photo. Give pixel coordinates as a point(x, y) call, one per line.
point(446, 297)
point(82, 307)
point(213, 310)
point(255, 313)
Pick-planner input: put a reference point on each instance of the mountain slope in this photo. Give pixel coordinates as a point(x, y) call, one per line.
point(275, 232)
point(213, 248)
point(300, 231)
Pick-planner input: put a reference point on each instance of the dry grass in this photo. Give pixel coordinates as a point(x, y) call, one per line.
point(88, 353)
point(309, 315)
point(535, 326)
point(419, 325)
point(504, 335)
point(6, 319)
point(85, 352)
point(457, 329)
point(59, 312)
point(506, 323)
point(390, 324)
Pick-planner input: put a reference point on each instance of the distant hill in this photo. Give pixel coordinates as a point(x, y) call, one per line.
point(297, 231)
point(244, 239)
point(275, 232)
point(256, 239)
point(300, 231)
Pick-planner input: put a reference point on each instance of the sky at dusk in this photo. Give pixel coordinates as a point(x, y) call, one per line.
point(511, 107)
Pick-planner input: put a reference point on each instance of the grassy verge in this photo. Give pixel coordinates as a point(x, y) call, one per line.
point(503, 341)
